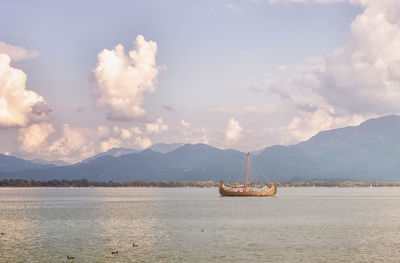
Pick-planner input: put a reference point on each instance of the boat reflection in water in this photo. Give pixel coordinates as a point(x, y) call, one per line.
point(246, 190)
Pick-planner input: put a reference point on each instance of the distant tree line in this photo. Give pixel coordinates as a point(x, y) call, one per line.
point(86, 183)
point(338, 184)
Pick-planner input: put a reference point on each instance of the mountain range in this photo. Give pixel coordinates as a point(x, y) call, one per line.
point(370, 151)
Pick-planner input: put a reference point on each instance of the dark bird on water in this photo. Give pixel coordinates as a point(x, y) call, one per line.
point(70, 257)
point(114, 252)
point(2, 233)
point(135, 245)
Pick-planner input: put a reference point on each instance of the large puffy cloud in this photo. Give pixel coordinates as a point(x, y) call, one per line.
point(122, 80)
point(18, 105)
point(362, 76)
point(17, 53)
point(356, 81)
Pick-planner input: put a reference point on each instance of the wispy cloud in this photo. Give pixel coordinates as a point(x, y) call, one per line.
point(282, 67)
point(79, 108)
point(17, 53)
point(168, 108)
point(233, 7)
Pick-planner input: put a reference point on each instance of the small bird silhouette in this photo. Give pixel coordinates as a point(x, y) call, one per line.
point(70, 257)
point(135, 245)
point(114, 252)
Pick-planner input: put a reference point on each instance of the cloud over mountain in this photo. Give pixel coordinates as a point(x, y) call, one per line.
point(73, 143)
point(122, 80)
point(355, 81)
point(363, 75)
point(67, 143)
point(32, 138)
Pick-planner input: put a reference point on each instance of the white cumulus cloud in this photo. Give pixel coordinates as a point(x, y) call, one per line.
point(234, 131)
point(156, 127)
point(34, 137)
point(18, 105)
point(71, 144)
point(307, 123)
point(356, 81)
point(110, 143)
point(363, 75)
point(143, 142)
point(122, 80)
point(126, 134)
point(68, 143)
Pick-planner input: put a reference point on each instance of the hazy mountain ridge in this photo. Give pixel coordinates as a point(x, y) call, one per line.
point(370, 151)
point(165, 147)
point(13, 164)
point(189, 162)
point(114, 152)
point(55, 162)
point(117, 152)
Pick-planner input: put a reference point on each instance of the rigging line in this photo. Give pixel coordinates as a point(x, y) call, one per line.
point(235, 174)
point(259, 170)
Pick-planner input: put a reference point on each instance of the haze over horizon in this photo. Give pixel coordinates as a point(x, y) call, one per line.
point(80, 78)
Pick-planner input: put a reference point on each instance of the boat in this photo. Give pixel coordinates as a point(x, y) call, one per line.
point(246, 189)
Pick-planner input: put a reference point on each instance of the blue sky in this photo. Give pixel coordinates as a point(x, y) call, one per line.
point(234, 74)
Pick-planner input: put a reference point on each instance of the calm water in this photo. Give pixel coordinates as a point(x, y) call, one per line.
point(197, 225)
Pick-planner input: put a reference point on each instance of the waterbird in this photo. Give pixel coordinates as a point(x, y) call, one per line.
point(70, 257)
point(135, 245)
point(2, 233)
point(114, 252)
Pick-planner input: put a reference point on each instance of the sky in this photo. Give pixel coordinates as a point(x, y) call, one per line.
point(81, 77)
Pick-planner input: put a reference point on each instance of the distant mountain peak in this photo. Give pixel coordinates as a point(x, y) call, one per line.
point(384, 121)
point(55, 162)
point(165, 147)
point(114, 152)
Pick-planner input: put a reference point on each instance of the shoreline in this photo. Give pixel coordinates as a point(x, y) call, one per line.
point(83, 183)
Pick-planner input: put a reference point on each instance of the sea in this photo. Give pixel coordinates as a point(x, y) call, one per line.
point(198, 225)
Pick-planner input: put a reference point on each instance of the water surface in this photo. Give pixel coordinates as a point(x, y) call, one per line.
point(197, 225)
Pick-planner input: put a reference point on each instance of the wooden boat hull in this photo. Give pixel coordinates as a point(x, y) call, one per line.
point(229, 192)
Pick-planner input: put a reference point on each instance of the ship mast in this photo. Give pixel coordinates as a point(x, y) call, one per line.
point(247, 171)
